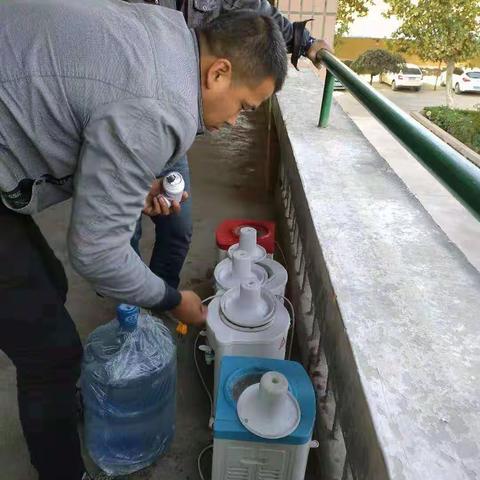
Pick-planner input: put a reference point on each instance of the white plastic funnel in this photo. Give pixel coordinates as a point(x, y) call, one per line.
point(248, 243)
point(231, 273)
point(248, 306)
point(268, 409)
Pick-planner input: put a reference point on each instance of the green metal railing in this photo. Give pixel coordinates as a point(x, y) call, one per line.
point(457, 173)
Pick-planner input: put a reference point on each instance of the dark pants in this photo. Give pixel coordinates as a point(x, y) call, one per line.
point(173, 234)
point(40, 338)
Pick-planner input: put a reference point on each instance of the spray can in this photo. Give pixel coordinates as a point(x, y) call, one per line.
point(173, 186)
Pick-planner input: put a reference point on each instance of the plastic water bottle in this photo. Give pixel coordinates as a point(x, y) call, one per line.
point(128, 383)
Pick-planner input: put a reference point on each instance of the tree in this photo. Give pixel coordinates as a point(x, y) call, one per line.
point(438, 31)
point(377, 61)
point(347, 11)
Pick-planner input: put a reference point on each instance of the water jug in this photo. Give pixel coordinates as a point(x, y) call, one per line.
point(128, 383)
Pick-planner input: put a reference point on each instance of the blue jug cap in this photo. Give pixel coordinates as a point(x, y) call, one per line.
point(127, 316)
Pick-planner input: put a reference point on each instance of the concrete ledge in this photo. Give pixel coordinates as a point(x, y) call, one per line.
point(460, 147)
point(398, 303)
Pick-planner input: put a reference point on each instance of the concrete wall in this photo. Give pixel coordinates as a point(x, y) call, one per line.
point(396, 305)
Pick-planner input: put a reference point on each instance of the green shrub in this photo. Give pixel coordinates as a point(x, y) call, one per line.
point(464, 125)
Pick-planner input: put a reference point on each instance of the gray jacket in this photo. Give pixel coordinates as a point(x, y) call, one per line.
point(96, 96)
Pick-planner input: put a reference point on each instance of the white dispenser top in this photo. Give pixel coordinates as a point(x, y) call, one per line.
point(268, 409)
point(248, 243)
point(239, 269)
point(248, 306)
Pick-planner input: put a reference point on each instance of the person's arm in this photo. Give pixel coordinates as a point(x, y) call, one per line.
point(301, 44)
point(125, 146)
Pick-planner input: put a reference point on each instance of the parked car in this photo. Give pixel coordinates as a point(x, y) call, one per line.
point(456, 72)
point(338, 85)
point(463, 79)
point(409, 77)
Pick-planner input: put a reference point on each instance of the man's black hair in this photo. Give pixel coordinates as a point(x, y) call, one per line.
point(252, 42)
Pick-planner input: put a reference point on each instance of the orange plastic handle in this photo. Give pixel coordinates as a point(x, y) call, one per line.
point(182, 329)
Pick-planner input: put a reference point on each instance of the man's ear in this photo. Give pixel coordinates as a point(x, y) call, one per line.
point(219, 74)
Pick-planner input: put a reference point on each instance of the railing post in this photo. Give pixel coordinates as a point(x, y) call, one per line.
point(326, 100)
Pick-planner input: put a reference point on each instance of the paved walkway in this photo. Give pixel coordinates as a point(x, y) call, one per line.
point(460, 226)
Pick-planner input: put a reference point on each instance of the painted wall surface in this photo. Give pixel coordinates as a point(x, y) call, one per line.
point(349, 48)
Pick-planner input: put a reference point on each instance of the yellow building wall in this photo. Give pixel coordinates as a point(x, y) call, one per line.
point(349, 48)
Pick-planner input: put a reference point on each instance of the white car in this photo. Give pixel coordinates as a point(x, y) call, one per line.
point(338, 85)
point(409, 77)
point(463, 80)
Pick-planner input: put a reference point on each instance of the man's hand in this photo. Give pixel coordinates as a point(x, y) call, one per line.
point(190, 311)
point(155, 204)
point(317, 45)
